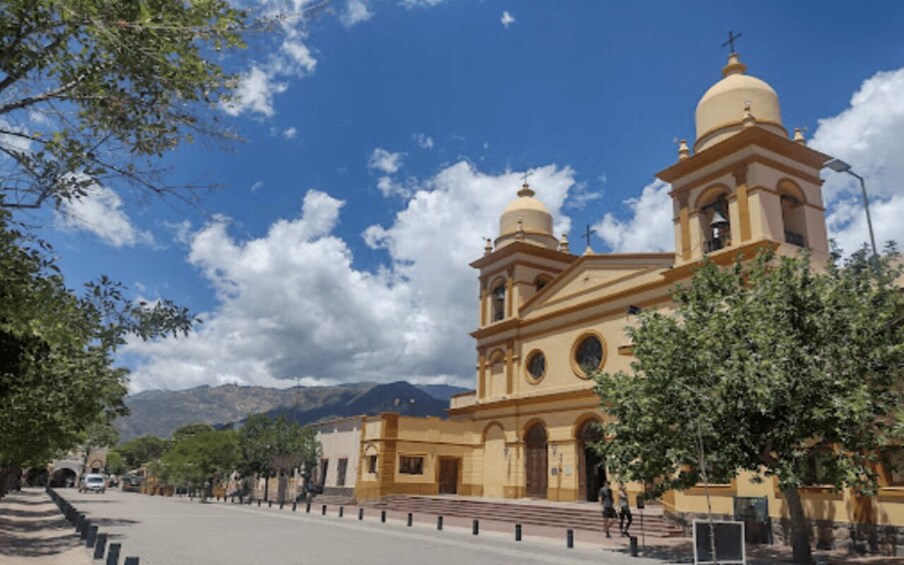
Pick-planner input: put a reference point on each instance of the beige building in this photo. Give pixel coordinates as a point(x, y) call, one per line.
point(546, 317)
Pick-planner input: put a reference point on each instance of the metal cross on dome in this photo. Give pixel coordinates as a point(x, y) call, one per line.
point(525, 175)
point(731, 39)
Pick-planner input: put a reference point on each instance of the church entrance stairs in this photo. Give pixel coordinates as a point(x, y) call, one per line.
point(584, 516)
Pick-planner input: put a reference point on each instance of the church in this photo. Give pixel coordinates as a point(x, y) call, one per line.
point(547, 317)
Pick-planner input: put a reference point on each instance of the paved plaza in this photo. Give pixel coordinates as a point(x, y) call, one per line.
point(164, 531)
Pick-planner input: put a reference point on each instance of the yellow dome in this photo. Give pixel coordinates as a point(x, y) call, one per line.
point(526, 219)
point(722, 111)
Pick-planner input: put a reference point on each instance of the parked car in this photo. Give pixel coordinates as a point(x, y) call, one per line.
point(93, 483)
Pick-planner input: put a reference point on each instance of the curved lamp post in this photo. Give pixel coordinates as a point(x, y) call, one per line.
point(840, 166)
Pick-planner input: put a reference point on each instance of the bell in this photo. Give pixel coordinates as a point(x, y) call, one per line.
point(718, 221)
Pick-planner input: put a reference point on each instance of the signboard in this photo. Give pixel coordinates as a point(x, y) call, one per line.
point(729, 542)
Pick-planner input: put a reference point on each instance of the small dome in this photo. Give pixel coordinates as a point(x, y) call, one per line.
point(722, 110)
point(526, 219)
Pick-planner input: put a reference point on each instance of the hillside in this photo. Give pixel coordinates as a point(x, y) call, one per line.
point(159, 412)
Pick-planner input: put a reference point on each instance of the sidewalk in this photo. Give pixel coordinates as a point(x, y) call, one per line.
point(33, 530)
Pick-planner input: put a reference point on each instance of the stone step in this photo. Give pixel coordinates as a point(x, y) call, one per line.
point(570, 516)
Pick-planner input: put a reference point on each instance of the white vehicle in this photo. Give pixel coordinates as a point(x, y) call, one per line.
point(93, 483)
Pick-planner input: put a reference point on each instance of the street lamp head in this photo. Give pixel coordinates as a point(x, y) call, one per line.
point(838, 166)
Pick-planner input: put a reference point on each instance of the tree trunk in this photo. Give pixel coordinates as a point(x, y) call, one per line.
point(800, 538)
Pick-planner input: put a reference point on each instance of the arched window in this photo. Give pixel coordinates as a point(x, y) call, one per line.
point(499, 301)
point(793, 218)
point(716, 225)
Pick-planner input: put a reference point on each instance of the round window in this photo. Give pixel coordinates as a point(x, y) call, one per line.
point(588, 355)
point(536, 365)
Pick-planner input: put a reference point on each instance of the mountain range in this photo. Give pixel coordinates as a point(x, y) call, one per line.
point(159, 412)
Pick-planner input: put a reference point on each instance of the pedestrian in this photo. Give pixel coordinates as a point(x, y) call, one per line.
point(624, 510)
point(608, 504)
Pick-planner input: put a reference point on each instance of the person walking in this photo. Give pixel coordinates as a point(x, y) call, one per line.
point(608, 504)
point(624, 510)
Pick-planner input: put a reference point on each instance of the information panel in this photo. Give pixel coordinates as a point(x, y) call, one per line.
point(729, 542)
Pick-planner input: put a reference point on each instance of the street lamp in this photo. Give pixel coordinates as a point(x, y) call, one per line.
point(840, 166)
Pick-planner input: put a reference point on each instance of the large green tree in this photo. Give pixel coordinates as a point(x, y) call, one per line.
point(142, 450)
point(276, 445)
point(199, 457)
point(93, 92)
point(57, 375)
point(764, 366)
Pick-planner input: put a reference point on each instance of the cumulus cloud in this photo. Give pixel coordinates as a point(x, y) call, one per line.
point(649, 228)
point(384, 161)
point(420, 3)
point(254, 93)
point(290, 133)
point(869, 135)
point(507, 19)
point(100, 212)
point(293, 305)
point(356, 11)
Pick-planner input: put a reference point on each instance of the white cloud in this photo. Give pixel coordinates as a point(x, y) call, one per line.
point(423, 141)
point(290, 133)
point(507, 19)
point(869, 135)
point(650, 228)
point(257, 185)
point(100, 212)
point(419, 3)
point(383, 160)
point(391, 187)
point(356, 11)
point(292, 304)
point(254, 93)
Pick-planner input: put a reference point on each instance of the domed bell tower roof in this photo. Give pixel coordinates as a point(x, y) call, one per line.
point(526, 219)
point(735, 102)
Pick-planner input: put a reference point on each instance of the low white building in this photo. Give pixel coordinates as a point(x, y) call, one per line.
point(340, 440)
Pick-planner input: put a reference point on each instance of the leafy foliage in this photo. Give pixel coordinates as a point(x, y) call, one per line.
point(57, 379)
point(142, 450)
point(276, 445)
point(94, 91)
point(204, 455)
point(770, 363)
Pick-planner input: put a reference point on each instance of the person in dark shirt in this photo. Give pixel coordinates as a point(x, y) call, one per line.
point(624, 510)
point(608, 503)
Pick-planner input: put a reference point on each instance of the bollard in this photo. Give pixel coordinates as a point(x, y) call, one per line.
point(79, 521)
point(360, 513)
point(86, 525)
point(241, 499)
point(294, 506)
point(475, 527)
point(517, 532)
point(100, 546)
point(569, 539)
point(439, 523)
point(341, 511)
point(281, 504)
point(131, 561)
point(382, 516)
point(269, 504)
point(113, 554)
point(307, 508)
point(323, 510)
point(91, 537)
point(258, 503)
point(633, 546)
point(232, 500)
point(410, 519)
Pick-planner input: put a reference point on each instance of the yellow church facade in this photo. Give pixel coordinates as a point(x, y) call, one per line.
point(547, 317)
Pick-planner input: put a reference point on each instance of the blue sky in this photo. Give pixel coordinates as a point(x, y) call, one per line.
point(383, 139)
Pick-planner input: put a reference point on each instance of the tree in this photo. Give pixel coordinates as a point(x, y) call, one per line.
point(276, 444)
point(197, 458)
point(57, 376)
point(97, 435)
point(116, 465)
point(762, 367)
point(189, 430)
point(94, 92)
point(142, 450)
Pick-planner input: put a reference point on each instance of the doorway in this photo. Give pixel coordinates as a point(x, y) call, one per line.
point(592, 467)
point(536, 461)
point(448, 475)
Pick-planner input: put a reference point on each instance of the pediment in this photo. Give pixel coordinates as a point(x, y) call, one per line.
point(593, 277)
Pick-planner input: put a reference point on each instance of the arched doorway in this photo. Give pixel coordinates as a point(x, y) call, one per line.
point(592, 468)
point(536, 461)
point(63, 478)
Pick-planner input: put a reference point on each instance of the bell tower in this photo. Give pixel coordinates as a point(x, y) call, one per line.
point(746, 182)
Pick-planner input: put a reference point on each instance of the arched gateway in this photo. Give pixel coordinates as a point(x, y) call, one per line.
point(536, 462)
point(591, 468)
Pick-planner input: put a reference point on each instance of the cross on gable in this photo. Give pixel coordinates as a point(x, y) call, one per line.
point(587, 233)
point(731, 39)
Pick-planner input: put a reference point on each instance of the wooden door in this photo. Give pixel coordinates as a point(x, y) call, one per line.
point(537, 465)
point(448, 476)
